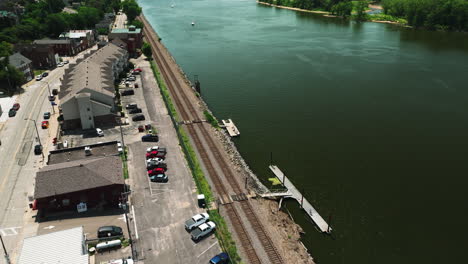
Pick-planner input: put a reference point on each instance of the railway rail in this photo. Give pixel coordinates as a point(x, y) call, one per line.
point(188, 112)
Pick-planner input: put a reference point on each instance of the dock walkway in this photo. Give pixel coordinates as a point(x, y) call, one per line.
point(231, 128)
point(308, 208)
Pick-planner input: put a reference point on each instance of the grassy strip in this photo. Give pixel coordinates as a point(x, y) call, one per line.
point(125, 166)
point(224, 236)
point(222, 232)
point(210, 118)
point(384, 17)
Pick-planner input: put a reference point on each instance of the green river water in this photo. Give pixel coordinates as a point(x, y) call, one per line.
point(370, 120)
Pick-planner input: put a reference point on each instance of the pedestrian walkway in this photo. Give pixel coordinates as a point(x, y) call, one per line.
point(308, 208)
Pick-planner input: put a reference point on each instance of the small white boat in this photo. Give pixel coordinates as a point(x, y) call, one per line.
point(193, 23)
point(172, 6)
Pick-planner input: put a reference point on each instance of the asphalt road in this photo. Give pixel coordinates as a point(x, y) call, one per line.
point(162, 208)
point(19, 164)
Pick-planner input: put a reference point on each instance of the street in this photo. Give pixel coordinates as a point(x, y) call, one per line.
point(17, 161)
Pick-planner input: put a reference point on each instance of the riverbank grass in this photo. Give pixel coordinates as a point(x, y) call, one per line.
point(222, 232)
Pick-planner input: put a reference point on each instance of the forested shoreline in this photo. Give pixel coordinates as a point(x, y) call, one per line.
point(449, 15)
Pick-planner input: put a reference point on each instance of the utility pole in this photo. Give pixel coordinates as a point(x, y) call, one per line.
point(7, 258)
point(8, 78)
point(37, 132)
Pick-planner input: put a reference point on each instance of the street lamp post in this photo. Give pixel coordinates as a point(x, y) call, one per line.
point(7, 258)
point(37, 131)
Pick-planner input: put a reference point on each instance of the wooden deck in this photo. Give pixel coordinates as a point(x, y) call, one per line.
point(308, 208)
point(231, 128)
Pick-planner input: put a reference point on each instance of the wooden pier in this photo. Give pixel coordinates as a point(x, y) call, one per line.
point(231, 128)
point(294, 193)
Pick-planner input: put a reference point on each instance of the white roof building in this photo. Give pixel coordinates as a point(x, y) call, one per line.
point(62, 247)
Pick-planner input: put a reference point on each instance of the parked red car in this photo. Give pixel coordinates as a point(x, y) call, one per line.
point(45, 124)
point(16, 107)
point(151, 154)
point(156, 171)
point(137, 70)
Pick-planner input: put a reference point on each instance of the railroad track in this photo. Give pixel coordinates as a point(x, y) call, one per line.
point(188, 112)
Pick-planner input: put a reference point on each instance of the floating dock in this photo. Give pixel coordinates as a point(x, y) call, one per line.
point(231, 128)
point(294, 193)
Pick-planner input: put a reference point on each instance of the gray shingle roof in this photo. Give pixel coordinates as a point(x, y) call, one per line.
point(93, 72)
point(51, 41)
point(17, 60)
point(73, 176)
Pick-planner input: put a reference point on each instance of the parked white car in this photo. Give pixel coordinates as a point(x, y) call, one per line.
point(39, 77)
point(99, 132)
point(196, 220)
point(153, 148)
point(202, 230)
point(157, 160)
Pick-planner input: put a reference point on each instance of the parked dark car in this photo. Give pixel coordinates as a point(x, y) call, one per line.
point(109, 231)
point(45, 74)
point(16, 107)
point(222, 258)
point(138, 118)
point(38, 149)
point(128, 92)
point(12, 112)
point(46, 115)
point(150, 138)
point(135, 111)
point(162, 177)
point(154, 165)
point(51, 98)
point(54, 91)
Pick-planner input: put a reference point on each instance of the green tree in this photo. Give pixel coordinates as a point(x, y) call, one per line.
point(56, 24)
point(136, 23)
point(89, 15)
point(342, 9)
point(55, 6)
point(146, 49)
point(116, 5)
point(131, 9)
point(361, 7)
point(6, 49)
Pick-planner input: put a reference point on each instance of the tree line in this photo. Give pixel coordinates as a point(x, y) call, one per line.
point(430, 14)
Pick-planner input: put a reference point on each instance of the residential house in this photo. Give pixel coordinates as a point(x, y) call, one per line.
point(87, 94)
point(85, 38)
point(23, 64)
point(96, 182)
point(62, 47)
point(66, 246)
point(131, 35)
point(42, 57)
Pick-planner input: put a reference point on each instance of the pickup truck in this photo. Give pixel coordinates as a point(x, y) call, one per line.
point(202, 230)
point(196, 220)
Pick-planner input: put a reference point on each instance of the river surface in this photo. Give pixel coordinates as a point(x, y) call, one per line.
point(370, 120)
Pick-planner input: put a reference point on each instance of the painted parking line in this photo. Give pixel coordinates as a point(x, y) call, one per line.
point(208, 249)
point(9, 231)
point(134, 222)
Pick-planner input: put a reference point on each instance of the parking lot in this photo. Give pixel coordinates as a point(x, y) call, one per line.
point(162, 208)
